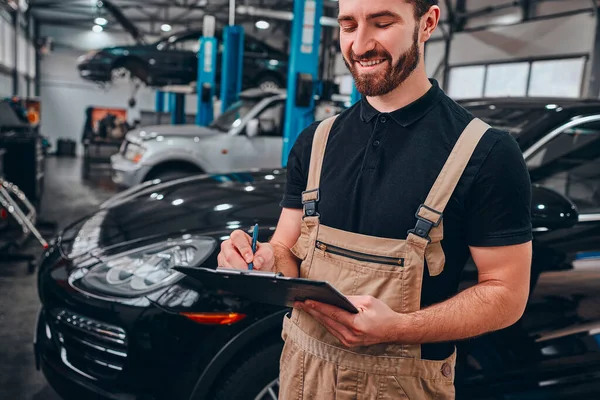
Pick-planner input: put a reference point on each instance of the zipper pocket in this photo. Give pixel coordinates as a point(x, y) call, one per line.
point(327, 248)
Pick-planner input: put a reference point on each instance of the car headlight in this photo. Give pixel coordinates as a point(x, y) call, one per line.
point(144, 270)
point(134, 152)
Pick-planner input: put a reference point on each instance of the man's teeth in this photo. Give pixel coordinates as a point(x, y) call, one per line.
point(370, 63)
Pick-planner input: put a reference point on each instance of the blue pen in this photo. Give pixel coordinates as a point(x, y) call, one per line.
point(254, 240)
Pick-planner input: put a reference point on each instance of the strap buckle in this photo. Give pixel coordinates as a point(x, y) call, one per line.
point(424, 226)
point(310, 206)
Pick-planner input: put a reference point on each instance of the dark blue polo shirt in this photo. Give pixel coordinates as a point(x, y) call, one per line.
point(379, 167)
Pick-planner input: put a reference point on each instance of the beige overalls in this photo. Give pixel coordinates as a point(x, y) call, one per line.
point(314, 364)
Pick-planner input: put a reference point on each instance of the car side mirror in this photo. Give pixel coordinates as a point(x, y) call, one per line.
point(252, 128)
point(551, 210)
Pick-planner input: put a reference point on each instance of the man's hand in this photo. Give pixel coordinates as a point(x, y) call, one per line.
point(375, 323)
point(236, 253)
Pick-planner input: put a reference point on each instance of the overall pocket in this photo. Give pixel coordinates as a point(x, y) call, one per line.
point(359, 256)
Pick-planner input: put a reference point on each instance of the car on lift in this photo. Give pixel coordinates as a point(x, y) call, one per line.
point(174, 61)
point(248, 135)
point(117, 322)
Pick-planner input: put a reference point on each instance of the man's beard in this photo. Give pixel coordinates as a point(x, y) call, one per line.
point(383, 82)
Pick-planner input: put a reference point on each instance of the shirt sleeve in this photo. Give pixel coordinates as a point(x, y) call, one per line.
point(499, 202)
point(297, 168)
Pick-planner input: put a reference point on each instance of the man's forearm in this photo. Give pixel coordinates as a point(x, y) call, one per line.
point(285, 261)
point(483, 308)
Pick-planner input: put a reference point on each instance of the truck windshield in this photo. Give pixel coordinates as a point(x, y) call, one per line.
point(233, 116)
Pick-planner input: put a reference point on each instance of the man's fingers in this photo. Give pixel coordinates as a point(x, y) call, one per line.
point(263, 257)
point(222, 262)
point(335, 328)
point(231, 256)
point(243, 243)
point(332, 312)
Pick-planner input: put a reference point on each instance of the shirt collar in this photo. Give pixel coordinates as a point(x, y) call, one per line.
point(406, 115)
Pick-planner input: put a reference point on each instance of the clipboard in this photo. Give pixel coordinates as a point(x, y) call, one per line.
point(268, 287)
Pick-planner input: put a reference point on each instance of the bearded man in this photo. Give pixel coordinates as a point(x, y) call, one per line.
point(387, 201)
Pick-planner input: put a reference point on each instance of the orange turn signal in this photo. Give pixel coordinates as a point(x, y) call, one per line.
point(215, 318)
point(137, 158)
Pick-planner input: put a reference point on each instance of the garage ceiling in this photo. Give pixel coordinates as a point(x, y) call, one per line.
point(150, 15)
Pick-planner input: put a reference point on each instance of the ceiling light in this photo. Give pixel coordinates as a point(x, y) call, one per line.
point(262, 24)
point(165, 28)
point(100, 21)
point(97, 28)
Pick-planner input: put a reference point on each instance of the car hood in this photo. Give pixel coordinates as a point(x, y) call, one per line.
point(212, 205)
point(153, 132)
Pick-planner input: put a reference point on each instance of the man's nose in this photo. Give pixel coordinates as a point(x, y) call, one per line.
point(363, 42)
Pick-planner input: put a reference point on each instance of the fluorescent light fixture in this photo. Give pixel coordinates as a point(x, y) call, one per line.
point(262, 24)
point(97, 28)
point(165, 28)
point(100, 21)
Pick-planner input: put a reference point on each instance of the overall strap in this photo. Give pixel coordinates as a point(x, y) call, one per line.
point(311, 196)
point(429, 214)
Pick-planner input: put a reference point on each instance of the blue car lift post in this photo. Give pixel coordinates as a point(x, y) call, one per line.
point(177, 108)
point(207, 64)
point(233, 61)
point(355, 96)
point(303, 71)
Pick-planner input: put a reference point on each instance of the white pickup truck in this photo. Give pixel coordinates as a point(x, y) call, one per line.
point(246, 136)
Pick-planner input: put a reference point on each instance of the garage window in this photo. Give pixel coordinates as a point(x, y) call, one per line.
point(531, 78)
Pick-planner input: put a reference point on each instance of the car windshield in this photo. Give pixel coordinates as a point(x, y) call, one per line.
point(510, 119)
point(164, 42)
point(233, 116)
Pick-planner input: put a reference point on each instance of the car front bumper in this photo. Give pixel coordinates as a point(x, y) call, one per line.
point(125, 173)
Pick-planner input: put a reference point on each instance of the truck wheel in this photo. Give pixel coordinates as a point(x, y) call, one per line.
point(255, 377)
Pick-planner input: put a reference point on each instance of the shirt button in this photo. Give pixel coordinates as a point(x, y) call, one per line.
point(383, 119)
point(376, 143)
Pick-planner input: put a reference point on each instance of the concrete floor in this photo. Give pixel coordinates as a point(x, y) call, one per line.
point(67, 198)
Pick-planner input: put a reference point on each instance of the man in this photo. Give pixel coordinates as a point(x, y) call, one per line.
point(354, 185)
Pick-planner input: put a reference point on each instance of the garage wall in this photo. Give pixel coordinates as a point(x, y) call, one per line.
point(546, 38)
point(5, 85)
point(65, 96)
point(6, 55)
point(24, 62)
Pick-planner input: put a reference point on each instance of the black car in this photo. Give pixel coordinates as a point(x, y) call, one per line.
point(174, 61)
point(117, 322)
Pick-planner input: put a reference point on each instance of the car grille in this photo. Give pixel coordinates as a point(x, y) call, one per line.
point(89, 347)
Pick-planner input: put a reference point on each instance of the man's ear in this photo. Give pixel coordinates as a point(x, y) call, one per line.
point(429, 23)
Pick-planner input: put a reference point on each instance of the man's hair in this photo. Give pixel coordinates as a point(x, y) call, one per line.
point(422, 6)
